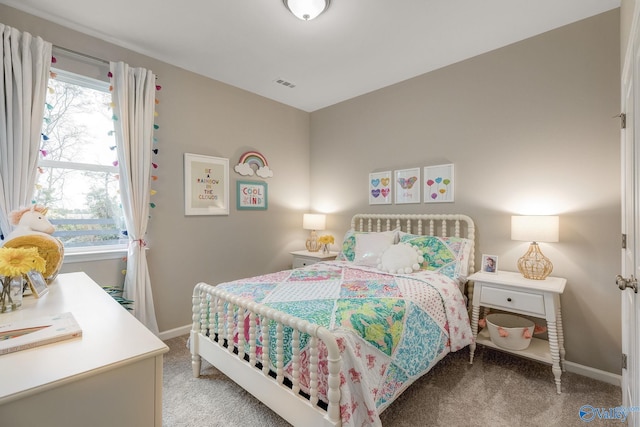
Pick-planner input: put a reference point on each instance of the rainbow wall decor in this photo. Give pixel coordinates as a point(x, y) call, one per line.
point(251, 163)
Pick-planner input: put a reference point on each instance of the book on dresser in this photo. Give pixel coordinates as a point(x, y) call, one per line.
point(24, 334)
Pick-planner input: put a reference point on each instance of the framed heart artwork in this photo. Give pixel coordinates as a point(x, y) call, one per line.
point(380, 188)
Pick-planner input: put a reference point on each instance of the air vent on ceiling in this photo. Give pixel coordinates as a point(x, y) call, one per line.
point(285, 83)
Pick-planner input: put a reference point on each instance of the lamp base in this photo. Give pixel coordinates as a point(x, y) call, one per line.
point(312, 243)
point(534, 265)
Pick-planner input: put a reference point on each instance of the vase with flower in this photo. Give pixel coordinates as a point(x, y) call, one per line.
point(325, 241)
point(15, 263)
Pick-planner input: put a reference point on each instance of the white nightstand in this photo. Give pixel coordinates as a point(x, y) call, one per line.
point(508, 291)
point(303, 258)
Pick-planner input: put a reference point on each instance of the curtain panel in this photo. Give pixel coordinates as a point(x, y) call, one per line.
point(133, 93)
point(24, 75)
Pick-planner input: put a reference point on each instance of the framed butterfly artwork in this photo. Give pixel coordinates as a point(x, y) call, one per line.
point(407, 185)
point(380, 188)
point(438, 183)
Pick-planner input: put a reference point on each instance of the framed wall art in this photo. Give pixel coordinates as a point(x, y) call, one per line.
point(380, 188)
point(438, 183)
point(407, 185)
point(206, 185)
point(251, 195)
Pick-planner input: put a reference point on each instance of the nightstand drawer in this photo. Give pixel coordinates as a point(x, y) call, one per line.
point(302, 262)
point(304, 258)
point(513, 300)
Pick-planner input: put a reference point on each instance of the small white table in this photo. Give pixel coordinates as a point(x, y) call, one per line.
point(111, 376)
point(304, 258)
point(511, 292)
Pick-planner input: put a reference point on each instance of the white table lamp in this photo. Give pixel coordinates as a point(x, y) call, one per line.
point(313, 222)
point(535, 228)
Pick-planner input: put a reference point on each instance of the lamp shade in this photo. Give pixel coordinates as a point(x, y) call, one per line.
point(306, 9)
point(314, 221)
point(535, 228)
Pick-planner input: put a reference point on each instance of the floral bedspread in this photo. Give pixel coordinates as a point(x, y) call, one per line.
point(391, 329)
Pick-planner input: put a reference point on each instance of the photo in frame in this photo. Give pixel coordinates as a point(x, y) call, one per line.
point(489, 263)
point(438, 183)
point(251, 195)
point(206, 185)
point(380, 188)
point(37, 283)
point(407, 185)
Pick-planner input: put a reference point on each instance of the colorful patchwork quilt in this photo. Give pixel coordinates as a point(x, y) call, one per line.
point(391, 329)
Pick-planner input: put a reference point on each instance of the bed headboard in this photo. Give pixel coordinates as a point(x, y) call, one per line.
point(442, 225)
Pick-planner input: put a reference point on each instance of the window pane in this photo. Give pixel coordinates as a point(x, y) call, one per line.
point(78, 180)
point(86, 210)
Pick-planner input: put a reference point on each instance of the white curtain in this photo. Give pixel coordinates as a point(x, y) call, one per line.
point(134, 104)
point(24, 74)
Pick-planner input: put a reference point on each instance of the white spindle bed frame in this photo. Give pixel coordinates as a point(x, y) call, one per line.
point(253, 374)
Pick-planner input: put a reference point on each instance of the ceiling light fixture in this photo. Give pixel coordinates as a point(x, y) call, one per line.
point(306, 9)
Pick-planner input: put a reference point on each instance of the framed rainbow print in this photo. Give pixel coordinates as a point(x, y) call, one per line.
point(407, 185)
point(438, 183)
point(380, 188)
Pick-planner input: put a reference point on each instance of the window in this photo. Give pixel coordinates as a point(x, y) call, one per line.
point(78, 179)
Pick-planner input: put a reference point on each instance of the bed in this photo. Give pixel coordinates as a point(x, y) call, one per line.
point(336, 342)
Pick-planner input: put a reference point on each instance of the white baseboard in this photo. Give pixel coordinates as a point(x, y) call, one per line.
point(576, 368)
point(172, 333)
point(594, 373)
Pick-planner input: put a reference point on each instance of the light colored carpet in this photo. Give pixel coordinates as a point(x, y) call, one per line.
point(497, 390)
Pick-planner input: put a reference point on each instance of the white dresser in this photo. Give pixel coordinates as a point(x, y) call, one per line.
point(111, 376)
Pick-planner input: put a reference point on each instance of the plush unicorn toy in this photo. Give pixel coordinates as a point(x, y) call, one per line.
point(31, 221)
point(33, 229)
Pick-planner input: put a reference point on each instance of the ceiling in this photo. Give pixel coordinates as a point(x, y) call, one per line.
point(355, 47)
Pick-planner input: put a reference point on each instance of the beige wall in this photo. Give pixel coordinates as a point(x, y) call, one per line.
point(529, 124)
point(203, 116)
point(529, 128)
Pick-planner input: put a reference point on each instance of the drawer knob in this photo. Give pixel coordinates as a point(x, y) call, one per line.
point(509, 299)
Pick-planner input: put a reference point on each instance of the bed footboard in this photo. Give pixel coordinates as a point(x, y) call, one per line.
point(221, 324)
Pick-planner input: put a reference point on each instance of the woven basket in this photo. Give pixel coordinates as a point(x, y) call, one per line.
point(508, 331)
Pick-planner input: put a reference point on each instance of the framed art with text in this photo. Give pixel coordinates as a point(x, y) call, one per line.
point(251, 195)
point(407, 185)
point(206, 185)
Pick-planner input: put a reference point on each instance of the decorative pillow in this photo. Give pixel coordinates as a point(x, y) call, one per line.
point(348, 250)
point(401, 258)
point(446, 255)
point(369, 247)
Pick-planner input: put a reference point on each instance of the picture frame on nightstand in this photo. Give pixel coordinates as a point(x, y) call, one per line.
point(489, 263)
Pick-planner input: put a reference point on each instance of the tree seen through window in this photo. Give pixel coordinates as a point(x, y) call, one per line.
point(78, 179)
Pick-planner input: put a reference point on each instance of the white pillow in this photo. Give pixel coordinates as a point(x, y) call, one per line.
point(370, 246)
point(401, 259)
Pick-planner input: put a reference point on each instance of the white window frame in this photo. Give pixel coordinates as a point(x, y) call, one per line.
point(96, 252)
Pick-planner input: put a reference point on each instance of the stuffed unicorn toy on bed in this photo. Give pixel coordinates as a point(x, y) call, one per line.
point(33, 229)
